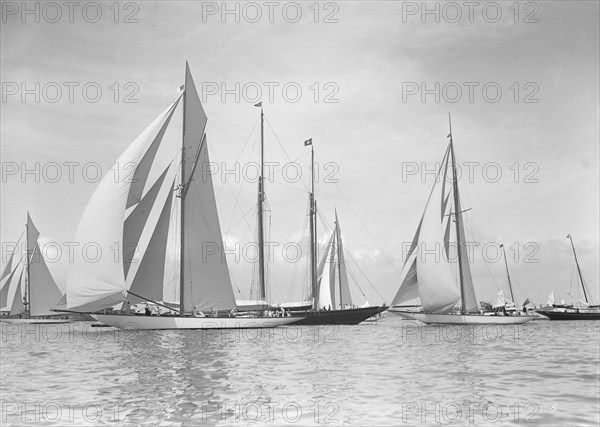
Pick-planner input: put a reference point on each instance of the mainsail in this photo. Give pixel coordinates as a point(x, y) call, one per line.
point(137, 214)
point(427, 271)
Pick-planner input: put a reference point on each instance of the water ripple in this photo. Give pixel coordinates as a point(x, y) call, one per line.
point(391, 373)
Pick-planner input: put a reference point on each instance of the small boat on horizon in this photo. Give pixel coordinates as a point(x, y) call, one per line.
point(586, 310)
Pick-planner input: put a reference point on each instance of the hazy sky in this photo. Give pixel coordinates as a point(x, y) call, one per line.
point(532, 147)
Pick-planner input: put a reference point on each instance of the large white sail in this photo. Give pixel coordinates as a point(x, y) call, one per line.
point(332, 278)
point(408, 293)
point(437, 289)
point(326, 276)
point(137, 216)
point(470, 303)
point(427, 272)
point(8, 286)
point(98, 278)
point(15, 292)
point(207, 283)
point(43, 292)
point(345, 295)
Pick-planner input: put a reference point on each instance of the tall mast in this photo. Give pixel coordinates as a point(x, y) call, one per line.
point(182, 208)
point(261, 198)
point(457, 220)
point(338, 241)
point(512, 295)
point(313, 230)
point(27, 281)
point(578, 269)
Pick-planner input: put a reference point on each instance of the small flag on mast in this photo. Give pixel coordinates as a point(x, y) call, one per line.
point(308, 142)
point(181, 87)
point(259, 104)
point(449, 135)
point(567, 236)
point(526, 302)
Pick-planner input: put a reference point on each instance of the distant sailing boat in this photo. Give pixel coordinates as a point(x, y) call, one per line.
point(508, 304)
point(131, 218)
point(432, 280)
point(585, 311)
point(329, 275)
point(28, 290)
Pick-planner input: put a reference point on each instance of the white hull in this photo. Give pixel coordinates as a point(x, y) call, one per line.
point(173, 322)
point(471, 319)
point(35, 321)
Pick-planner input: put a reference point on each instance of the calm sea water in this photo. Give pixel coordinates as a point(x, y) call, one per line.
point(393, 372)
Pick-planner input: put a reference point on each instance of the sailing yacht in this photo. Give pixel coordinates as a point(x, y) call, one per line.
point(322, 307)
point(584, 311)
point(168, 197)
point(28, 291)
point(432, 280)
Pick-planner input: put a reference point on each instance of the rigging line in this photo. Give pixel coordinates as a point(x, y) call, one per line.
point(240, 220)
point(284, 150)
point(388, 260)
point(363, 273)
point(241, 150)
point(481, 206)
point(326, 224)
point(228, 185)
point(248, 140)
point(274, 171)
point(523, 293)
point(294, 267)
point(235, 283)
point(498, 287)
point(18, 241)
point(355, 280)
point(289, 186)
point(243, 179)
point(239, 254)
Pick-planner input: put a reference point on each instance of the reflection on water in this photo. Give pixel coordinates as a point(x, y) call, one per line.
point(391, 373)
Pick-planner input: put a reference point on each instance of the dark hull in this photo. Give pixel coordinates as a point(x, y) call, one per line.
point(351, 316)
point(561, 315)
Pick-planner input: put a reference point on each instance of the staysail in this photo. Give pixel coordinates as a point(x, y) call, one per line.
point(326, 276)
point(332, 274)
point(8, 287)
point(345, 296)
point(43, 292)
point(16, 293)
